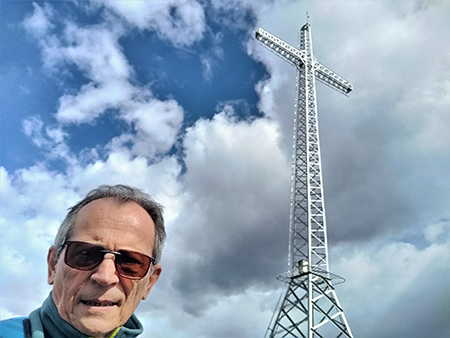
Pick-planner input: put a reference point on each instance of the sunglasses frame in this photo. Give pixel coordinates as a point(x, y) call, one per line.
point(106, 251)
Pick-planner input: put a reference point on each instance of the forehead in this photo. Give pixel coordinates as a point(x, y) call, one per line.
point(116, 224)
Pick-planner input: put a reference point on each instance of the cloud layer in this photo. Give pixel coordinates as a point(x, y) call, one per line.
point(225, 178)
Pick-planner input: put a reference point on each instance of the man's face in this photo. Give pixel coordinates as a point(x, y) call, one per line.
point(98, 301)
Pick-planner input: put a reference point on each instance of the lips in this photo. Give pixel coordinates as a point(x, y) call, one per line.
point(98, 303)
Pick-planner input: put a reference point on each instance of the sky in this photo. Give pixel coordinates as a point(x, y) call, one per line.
point(177, 98)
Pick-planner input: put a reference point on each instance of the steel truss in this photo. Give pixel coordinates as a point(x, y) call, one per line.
point(310, 307)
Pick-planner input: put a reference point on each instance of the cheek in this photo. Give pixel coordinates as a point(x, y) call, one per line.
point(58, 284)
point(66, 286)
point(134, 291)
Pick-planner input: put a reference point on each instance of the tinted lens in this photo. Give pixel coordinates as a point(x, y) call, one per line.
point(86, 256)
point(131, 264)
point(83, 256)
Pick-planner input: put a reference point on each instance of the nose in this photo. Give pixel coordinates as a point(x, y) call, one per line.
point(106, 274)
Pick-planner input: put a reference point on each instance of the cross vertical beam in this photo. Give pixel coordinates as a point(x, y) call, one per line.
point(310, 307)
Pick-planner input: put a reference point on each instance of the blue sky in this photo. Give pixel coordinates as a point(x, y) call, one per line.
point(212, 73)
point(177, 98)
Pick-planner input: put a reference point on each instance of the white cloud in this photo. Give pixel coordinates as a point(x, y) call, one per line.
point(159, 179)
point(39, 23)
point(207, 65)
point(157, 124)
point(242, 146)
point(34, 201)
point(243, 315)
point(239, 14)
point(95, 50)
point(92, 101)
point(210, 60)
point(32, 127)
point(438, 232)
point(180, 22)
point(51, 141)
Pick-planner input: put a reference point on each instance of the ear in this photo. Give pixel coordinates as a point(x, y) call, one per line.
point(155, 272)
point(52, 259)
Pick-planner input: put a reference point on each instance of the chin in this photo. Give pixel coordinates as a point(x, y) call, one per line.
point(98, 327)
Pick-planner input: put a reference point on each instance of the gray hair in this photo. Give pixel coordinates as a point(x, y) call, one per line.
point(122, 194)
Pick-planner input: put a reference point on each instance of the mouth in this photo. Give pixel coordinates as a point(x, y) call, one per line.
point(98, 303)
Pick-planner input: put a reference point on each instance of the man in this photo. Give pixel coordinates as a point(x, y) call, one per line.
point(104, 261)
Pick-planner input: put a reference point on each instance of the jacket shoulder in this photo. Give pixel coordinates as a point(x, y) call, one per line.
point(12, 328)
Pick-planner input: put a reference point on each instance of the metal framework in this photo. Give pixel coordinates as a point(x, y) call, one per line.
point(310, 307)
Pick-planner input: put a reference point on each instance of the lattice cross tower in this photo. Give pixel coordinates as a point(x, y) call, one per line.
point(310, 307)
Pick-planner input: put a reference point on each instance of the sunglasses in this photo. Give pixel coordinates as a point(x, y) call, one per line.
point(86, 256)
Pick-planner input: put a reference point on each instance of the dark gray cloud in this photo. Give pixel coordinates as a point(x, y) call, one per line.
point(235, 219)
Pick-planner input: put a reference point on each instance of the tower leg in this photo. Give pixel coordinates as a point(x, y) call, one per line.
point(301, 316)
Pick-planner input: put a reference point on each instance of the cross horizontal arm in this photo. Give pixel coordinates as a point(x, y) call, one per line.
point(281, 48)
point(331, 79)
point(298, 58)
